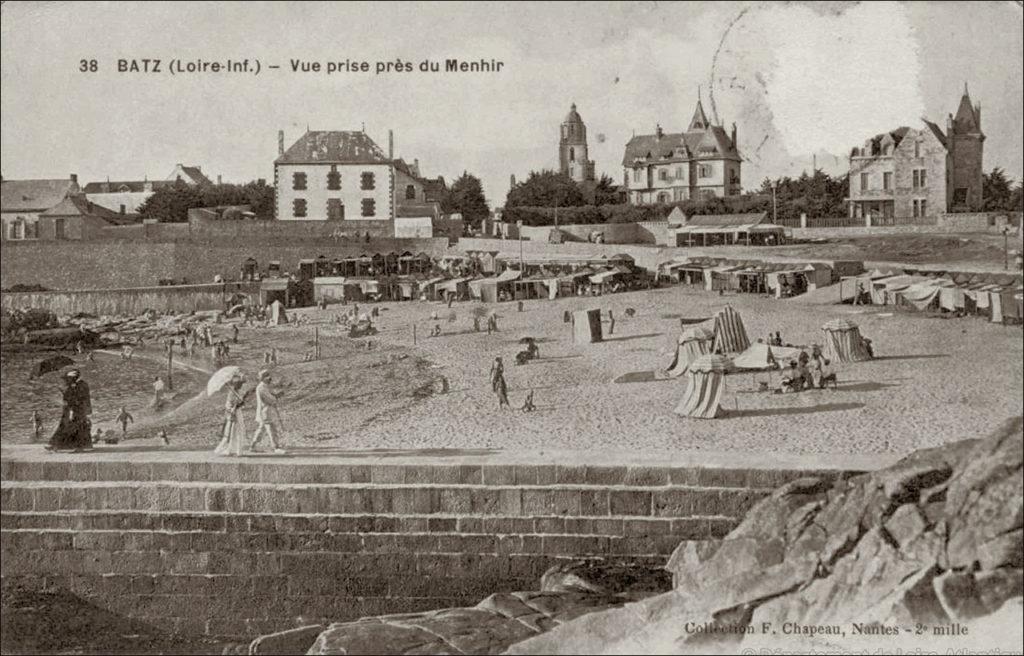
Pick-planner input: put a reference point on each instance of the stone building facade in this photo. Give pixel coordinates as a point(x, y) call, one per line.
point(915, 173)
point(573, 158)
point(702, 162)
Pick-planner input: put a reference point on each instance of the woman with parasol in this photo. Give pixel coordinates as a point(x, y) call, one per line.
point(233, 429)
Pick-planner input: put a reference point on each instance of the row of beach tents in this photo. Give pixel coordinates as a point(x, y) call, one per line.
point(706, 352)
point(995, 296)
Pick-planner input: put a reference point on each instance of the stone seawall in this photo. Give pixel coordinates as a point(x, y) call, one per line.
point(179, 298)
point(240, 548)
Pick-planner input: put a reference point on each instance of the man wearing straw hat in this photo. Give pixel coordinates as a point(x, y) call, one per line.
point(268, 418)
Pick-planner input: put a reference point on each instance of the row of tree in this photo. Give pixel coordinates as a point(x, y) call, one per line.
point(817, 195)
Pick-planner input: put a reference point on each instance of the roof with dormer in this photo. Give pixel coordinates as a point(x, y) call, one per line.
point(334, 147)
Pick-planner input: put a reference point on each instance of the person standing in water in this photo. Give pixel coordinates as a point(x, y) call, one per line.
point(124, 418)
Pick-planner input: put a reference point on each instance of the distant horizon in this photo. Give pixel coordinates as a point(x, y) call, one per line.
point(798, 79)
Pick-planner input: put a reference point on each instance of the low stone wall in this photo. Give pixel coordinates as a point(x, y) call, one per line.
point(180, 298)
point(244, 548)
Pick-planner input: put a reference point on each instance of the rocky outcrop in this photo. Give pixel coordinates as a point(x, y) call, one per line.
point(499, 621)
point(917, 553)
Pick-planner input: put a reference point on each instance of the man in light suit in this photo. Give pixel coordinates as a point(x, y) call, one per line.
point(268, 418)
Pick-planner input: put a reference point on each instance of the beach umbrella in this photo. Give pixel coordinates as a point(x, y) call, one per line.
point(221, 378)
point(56, 363)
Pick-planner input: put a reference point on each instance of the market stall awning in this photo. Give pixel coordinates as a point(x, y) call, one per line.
point(507, 275)
point(453, 284)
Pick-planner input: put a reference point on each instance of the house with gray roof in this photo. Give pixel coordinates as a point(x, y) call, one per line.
point(22, 201)
point(702, 162)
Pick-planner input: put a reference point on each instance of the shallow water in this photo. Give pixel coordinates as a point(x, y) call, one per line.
point(112, 383)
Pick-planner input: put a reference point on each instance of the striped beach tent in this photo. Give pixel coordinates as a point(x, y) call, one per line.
point(730, 335)
point(843, 341)
point(704, 387)
point(693, 343)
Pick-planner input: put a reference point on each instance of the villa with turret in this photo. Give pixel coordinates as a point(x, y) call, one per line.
point(918, 172)
point(702, 162)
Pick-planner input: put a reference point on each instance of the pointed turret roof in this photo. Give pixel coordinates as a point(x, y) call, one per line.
point(699, 120)
point(967, 119)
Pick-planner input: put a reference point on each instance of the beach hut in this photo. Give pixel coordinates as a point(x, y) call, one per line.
point(328, 288)
point(586, 326)
point(704, 386)
point(843, 341)
point(693, 343)
point(274, 289)
point(730, 334)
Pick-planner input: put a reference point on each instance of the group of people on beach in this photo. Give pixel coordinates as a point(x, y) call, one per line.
point(809, 372)
point(500, 388)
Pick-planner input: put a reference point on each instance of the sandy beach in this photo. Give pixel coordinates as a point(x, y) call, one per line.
point(935, 380)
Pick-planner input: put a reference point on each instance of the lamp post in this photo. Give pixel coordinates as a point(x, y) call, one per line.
point(1006, 248)
point(775, 209)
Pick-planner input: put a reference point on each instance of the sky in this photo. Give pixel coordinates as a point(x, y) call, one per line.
point(803, 81)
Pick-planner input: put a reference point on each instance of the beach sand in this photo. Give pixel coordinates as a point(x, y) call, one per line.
point(935, 380)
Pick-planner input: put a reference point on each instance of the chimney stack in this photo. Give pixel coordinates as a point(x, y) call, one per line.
point(658, 131)
point(391, 144)
point(218, 178)
point(734, 135)
point(74, 179)
point(280, 142)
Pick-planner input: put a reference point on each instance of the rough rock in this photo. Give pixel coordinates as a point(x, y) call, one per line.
point(935, 540)
point(567, 593)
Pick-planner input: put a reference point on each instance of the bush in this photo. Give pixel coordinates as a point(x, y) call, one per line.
point(14, 322)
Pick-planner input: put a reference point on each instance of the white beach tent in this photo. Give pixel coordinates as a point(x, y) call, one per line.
point(843, 342)
point(705, 384)
point(693, 343)
point(277, 314)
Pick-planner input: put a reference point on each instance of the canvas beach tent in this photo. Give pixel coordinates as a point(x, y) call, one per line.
point(760, 357)
point(843, 342)
point(730, 335)
point(704, 387)
point(277, 314)
point(693, 343)
point(586, 326)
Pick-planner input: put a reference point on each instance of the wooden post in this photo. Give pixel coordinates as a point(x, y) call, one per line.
point(170, 364)
point(414, 334)
point(316, 342)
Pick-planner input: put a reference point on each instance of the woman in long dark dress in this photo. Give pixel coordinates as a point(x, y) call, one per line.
point(74, 430)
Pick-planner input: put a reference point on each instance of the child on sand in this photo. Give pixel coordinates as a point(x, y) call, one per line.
point(124, 418)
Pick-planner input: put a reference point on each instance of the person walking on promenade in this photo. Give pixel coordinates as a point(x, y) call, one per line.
point(233, 430)
point(74, 430)
point(268, 417)
point(124, 418)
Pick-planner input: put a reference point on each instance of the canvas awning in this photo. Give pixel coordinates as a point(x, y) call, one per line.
point(274, 284)
point(452, 285)
point(508, 275)
point(603, 276)
point(432, 281)
point(697, 230)
point(329, 280)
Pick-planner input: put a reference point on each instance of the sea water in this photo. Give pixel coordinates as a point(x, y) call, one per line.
point(112, 383)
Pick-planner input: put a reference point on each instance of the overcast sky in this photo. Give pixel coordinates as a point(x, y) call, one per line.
point(798, 79)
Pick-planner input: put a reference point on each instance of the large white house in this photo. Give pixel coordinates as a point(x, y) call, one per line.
point(334, 176)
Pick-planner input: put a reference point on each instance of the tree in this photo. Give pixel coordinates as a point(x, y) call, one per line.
point(171, 204)
point(545, 189)
point(817, 195)
point(466, 196)
point(604, 192)
point(999, 193)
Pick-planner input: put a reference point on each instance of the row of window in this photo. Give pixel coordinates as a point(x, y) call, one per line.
point(681, 194)
point(703, 171)
point(335, 208)
point(919, 207)
point(920, 180)
point(367, 181)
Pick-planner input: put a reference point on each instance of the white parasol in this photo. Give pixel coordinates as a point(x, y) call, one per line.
point(221, 378)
